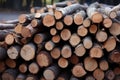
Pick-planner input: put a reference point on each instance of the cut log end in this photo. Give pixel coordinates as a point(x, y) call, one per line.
point(63, 63)
point(68, 20)
point(97, 18)
point(59, 25)
point(65, 34)
point(22, 18)
point(82, 31)
point(9, 39)
point(55, 53)
point(93, 29)
point(23, 68)
point(56, 39)
point(58, 14)
point(49, 45)
point(98, 74)
point(107, 22)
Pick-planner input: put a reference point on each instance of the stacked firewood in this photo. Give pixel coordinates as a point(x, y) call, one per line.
point(64, 41)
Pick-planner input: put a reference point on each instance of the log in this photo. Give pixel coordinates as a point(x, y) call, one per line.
point(6, 26)
point(109, 75)
point(117, 77)
point(86, 22)
point(96, 51)
point(3, 34)
point(23, 68)
point(68, 20)
point(90, 64)
point(2, 66)
point(9, 74)
point(74, 59)
point(36, 23)
point(63, 63)
point(53, 31)
point(49, 45)
point(79, 17)
point(56, 38)
point(104, 65)
point(107, 22)
point(78, 71)
point(101, 36)
point(93, 28)
point(66, 10)
point(89, 78)
point(9, 39)
point(66, 51)
point(59, 25)
point(116, 71)
point(73, 78)
point(64, 76)
point(114, 29)
point(43, 59)
point(80, 50)
point(82, 31)
point(18, 28)
point(28, 51)
point(87, 42)
point(10, 63)
point(39, 38)
point(20, 77)
point(51, 72)
point(98, 74)
point(3, 53)
point(13, 52)
point(34, 9)
point(55, 53)
point(25, 18)
point(33, 68)
point(110, 44)
point(114, 56)
point(65, 34)
point(74, 40)
point(31, 77)
point(14, 21)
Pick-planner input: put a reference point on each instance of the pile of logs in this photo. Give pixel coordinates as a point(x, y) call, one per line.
point(63, 41)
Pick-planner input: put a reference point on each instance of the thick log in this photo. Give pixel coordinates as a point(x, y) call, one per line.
point(51, 72)
point(115, 29)
point(21, 77)
point(80, 50)
point(104, 65)
point(114, 56)
point(13, 52)
point(110, 44)
point(3, 53)
point(59, 25)
point(65, 34)
point(9, 39)
point(33, 68)
point(49, 45)
point(66, 51)
point(53, 31)
point(86, 22)
point(74, 59)
point(68, 20)
point(55, 53)
point(66, 10)
point(63, 63)
point(98, 74)
point(79, 17)
point(74, 40)
point(23, 68)
point(90, 64)
point(101, 36)
point(28, 51)
point(109, 75)
point(2, 66)
point(9, 74)
point(82, 31)
point(10, 63)
point(56, 38)
point(96, 51)
point(6, 26)
point(93, 28)
point(87, 42)
point(78, 71)
point(44, 59)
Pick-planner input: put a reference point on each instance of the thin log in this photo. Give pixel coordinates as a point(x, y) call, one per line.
point(28, 51)
point(82, 31)
point(116, 71)
point(86, 22)
point(78, 71)
point(98, 74)
point(65, 34)
point(15, 21)
point(79, 17)
point(44, 59)
point(74, 59)
point(109, 75)
point(104, 65)
point(66, 51)
point(107, 22)
point(3, 53)
point(34, 9)
point(56, 38)
point(13, 52)
point(87, 42)
point(6, 26)
point(93, 29)
point(59, 25)
point(89, 78)
point(36, 23)
point(49, 45)
point(31, 77)
point(53, 31)
point(80, 50)
point(55, 53)
point(2, 66)
point(74, 40)
point(51, 72)
point(10, 63)
point(63, 63)
point(96, 51)
point(73, 78)
point(23, 68)
point(68, 20)
point(90, 64)
point(33, 68)
point(9, 39)
point(21, 77)
point(64, 76)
